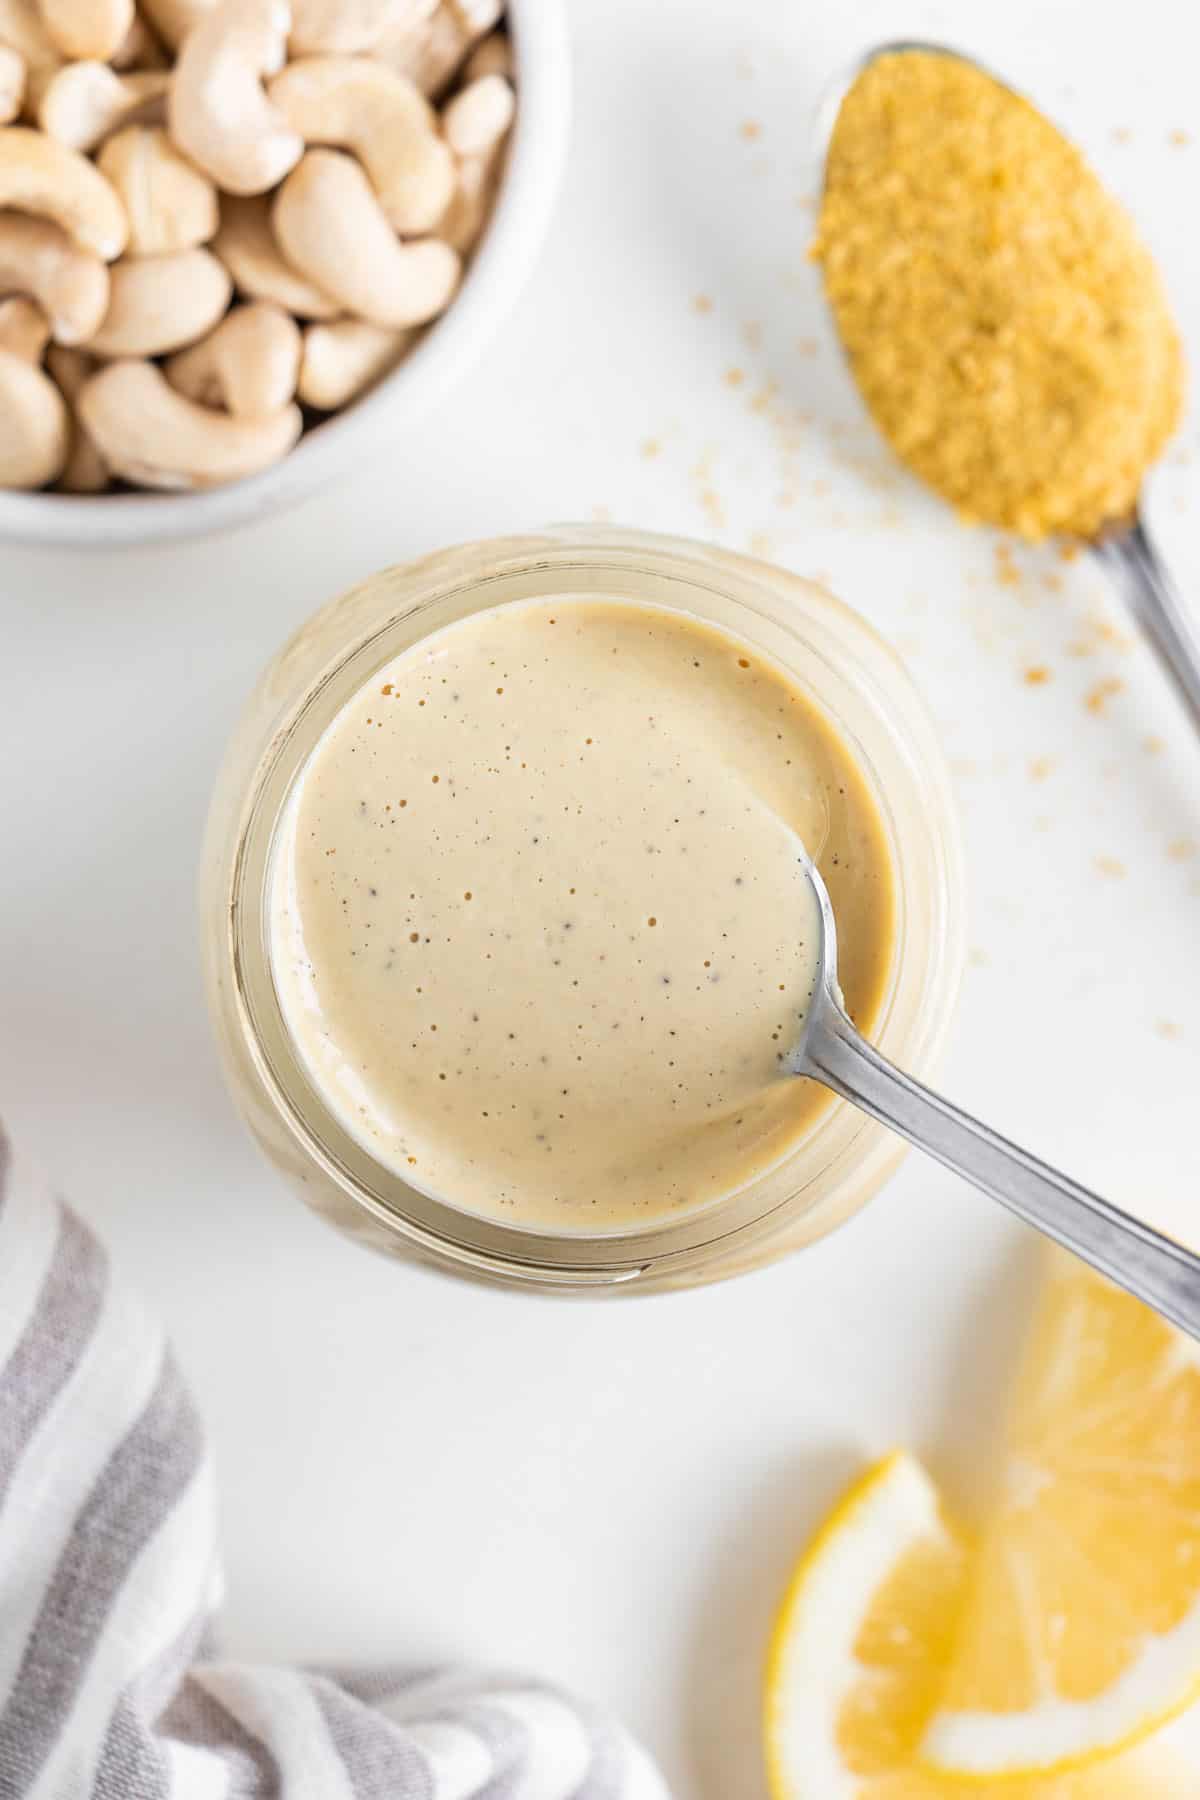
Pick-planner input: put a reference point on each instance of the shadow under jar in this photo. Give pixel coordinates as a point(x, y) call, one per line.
point(800, 645)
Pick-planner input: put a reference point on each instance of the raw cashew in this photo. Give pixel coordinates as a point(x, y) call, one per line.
point(159, 303)
point(477, 16)
point(249, 365)
point(169, 204)
point(70, 367)
point(87, 28)
point(39, 175)
point(218, 113)
point(36, 435)
point(471, 207)
point(430, 50)
point(86, 101)
point(21, 29)
point(138, 49)
point(173, 19)
point(342, 359)
point(85, 471)
point(12, 83)
point(479, 115)
point(361, 105)
point(70, 285)
point(150, 434)
point(24, 328)
point(323, 27)
point(330, 225)
point(492, 57)
point(246, 245)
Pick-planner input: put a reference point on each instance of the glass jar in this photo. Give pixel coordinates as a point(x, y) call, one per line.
point(826, 650)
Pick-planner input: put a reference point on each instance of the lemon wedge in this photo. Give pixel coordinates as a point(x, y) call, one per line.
point(1080, 1629)
point(861, 1650)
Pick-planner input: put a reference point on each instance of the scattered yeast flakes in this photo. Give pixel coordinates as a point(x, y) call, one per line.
point(1181, 849)
point(713, 507)
point(1167, 1028)
point(1112, 634)
point(1007, 572)
point(1111, 867)
point(1096, 700)
point(1037, 676)
point(750, 130)
point(1041, 767)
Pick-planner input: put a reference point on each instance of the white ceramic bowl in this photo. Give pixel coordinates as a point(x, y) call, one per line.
point(496, 275)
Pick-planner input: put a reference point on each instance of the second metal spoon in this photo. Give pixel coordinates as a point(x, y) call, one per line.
point(1124, 547)
point(1128, 553)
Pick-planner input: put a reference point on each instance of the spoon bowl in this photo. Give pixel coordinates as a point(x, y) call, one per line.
point(832, 1051)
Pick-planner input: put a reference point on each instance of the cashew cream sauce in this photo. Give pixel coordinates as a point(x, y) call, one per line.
point(538, 926)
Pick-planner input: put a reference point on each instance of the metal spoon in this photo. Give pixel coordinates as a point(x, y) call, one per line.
point(1124, 546)
point(1128, 552)
point(832, 1051)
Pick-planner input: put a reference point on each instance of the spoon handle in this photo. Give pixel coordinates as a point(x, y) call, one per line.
point(1154, 600)
point(1151, 1266)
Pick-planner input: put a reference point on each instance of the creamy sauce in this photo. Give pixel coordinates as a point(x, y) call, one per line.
point(539, 928)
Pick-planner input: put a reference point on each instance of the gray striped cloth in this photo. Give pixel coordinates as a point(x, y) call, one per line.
point(110, 1577)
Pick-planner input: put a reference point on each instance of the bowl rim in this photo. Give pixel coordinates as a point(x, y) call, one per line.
point(491, 286)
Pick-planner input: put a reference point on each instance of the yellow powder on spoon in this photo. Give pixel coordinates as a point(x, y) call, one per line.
point(1008, 330)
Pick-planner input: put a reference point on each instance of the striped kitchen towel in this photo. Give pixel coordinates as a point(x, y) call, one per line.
point(109, 1579)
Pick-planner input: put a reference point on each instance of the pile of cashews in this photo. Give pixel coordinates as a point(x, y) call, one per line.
point(221, 220)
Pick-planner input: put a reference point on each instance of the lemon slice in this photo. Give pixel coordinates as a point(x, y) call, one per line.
point(861, 1649)
point(1080, 1630)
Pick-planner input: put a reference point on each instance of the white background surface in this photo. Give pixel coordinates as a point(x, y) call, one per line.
point(612, 1493)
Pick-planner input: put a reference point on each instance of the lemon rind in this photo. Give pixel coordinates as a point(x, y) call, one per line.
point(940, 1752)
